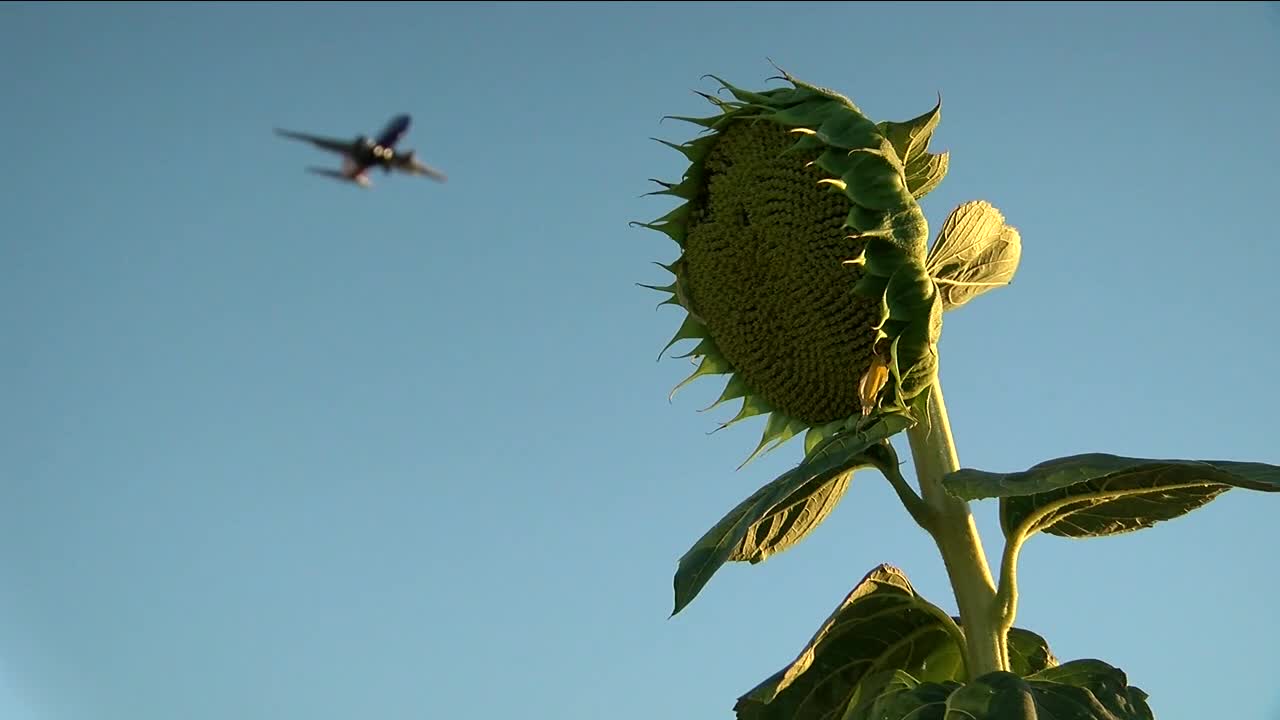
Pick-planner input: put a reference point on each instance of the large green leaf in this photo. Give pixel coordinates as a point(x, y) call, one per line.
point(1028, 654)
point(1079, 690)
point(1097, 494)
point(883, 638)
point(1104, 683)
point(975, 252)
point(780, 514)
point(896, 694)
point(882, 625)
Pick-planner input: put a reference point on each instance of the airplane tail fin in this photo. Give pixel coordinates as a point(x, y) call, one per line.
point(407, 162)
point(430, 172)
point(418, 168)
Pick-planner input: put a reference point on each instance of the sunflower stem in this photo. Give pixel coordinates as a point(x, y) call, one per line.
point(956, 535)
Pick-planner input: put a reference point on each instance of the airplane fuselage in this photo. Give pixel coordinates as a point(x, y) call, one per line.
point(363, 153)
point(367, 153)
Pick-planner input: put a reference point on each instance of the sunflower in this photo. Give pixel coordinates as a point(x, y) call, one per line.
point(803, 259)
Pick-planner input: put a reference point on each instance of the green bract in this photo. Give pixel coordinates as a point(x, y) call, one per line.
point(803, 258)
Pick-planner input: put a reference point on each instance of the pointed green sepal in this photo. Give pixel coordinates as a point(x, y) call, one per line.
point(745, 96)
point(674, 230)
point(706, 346)
point(734, 389)
point(911, 138)
point(726, 106)
point(660, 288)
point(752, 405)
point(710, 365)
point(777, 431)
point(694, 150)
point(709, 122)
point(689, 329)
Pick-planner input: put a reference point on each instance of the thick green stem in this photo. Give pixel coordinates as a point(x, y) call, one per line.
point(953, 529)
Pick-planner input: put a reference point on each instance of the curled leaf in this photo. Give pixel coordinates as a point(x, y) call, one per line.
point(975, 252)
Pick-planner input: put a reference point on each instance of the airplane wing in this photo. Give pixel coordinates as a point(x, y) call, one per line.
point(340, 176)
point(342, 147)
point(394, 130)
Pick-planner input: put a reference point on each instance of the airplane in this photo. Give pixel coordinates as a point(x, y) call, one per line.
point(363, 153)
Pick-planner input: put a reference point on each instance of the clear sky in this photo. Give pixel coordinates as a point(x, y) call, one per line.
point(276, 448)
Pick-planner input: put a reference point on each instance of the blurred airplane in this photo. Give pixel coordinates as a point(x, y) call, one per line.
point(363, 153)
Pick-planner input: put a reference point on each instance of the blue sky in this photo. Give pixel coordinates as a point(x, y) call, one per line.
point(279, 448)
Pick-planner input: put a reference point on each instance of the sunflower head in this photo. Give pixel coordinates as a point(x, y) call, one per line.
point(802, 264)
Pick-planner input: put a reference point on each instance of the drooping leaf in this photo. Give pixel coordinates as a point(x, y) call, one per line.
point(974, 253)
point(792, 519)
point(1079, 690)
point(718, 544)
point(1098, 494)
point(882, 625)
point(780, 514)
